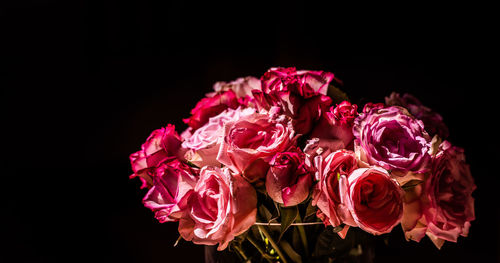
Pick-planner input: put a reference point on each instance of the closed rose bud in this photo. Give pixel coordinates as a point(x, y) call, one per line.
point(288, 180)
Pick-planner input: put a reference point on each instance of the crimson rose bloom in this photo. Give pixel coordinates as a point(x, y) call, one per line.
point(161, 144)
point(371, 200)
point(172, 184)
point(300, 94)
point(288, 180)
point(222, 206)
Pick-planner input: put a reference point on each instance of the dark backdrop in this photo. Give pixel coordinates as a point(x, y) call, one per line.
point(86, 82)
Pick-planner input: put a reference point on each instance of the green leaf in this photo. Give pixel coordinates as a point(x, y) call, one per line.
point(288, 216)
point(411, 184)
point(294, 256)
point(336, 94)
point(310, 211)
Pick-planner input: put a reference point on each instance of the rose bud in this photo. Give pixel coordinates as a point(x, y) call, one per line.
point(326, 193)
point(222, 207)
point(337, 124)
point(172, 184)
point(371, 200)
point(392, 139)
point(253, 137)
point(288, 180)
point(161, 144)
point(450, 187)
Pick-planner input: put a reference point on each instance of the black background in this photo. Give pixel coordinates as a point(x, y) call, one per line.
point(86, 82)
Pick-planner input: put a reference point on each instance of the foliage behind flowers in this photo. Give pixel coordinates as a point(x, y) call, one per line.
point(272, 169)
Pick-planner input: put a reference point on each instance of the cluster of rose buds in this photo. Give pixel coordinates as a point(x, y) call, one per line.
point(386, 165)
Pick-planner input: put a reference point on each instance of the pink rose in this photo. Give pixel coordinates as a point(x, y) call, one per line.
point(242, 87)
point(251, 138)
point(161, 144)
point(450, 187)
point(211, 106)
point(288, 180)
point(393, 139)
point(337, 124)
point(172, 185)
point(222, 207)
point(371, 199)
point(326, 195)
point(300, 95)
point(205, 142)
point(433, 122)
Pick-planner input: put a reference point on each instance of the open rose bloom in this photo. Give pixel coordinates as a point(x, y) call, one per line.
point(269, 164)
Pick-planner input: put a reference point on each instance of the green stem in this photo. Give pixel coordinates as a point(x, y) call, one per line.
point(273, 244)
point(302, 234)
point(242, 254)
point(261, 251)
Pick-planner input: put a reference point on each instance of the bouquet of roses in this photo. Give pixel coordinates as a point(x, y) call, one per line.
point(269, 166)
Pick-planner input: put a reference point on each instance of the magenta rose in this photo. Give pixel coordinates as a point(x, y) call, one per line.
point(371, 200)
point(370, 106)
point(203, 145)
point(337, 124)
point(252, 138)
point(300, 95)
point(433, 121)
point(172, 185)
point(161, 144)
point(222, 206)
point(288, 180)
point(392, 138)
point(211, 106)
point(450, 187)
point(326, 195)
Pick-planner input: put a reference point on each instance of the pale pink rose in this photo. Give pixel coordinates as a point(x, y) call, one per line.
point(337, 123)
point(253, 137)
point(203, 145)
point(371, 200)
point(242, 87)
point(161, 144)
point(393, 139)
point(289, 180)
point(450, 187)
point(222, 206)
point(326, 194)
point(173, 183)
point(299, 94)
